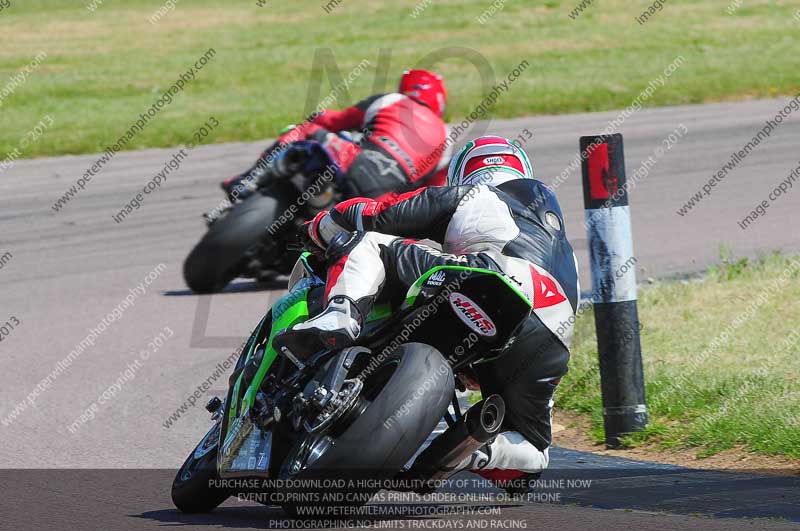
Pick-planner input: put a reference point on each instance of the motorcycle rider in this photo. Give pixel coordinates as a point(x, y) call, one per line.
point(402, 148)
point(493, 214)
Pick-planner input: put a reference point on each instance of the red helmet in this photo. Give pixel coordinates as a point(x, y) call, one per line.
point(425, 87)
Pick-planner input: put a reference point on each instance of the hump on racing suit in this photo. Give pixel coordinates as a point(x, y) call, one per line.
point(519, 224)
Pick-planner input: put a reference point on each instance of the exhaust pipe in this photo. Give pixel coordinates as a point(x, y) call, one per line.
point(481, 423)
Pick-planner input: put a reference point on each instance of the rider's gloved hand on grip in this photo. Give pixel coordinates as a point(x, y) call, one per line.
point(322, 229)
point(308, 242)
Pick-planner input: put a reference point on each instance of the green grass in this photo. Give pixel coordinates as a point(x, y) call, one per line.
point(741, 391)
point(104, 68)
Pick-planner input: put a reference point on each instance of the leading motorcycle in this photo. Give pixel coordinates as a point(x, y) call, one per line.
point(252, 234)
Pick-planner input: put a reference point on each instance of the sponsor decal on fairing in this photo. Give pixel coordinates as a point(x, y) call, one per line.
point(472, 315)
point(436, 279)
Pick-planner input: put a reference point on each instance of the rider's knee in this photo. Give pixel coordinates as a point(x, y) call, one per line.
point(346, 243)
point(513, 451)
point(342, 244)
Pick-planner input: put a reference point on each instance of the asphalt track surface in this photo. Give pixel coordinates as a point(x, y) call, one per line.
point(68, 270)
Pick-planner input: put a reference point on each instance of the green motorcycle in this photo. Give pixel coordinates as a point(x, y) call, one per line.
point(305, 431)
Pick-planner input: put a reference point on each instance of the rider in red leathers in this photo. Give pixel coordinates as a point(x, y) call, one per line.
point(403, 144)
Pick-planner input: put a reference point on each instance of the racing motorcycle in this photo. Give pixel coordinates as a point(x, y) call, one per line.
point(252, 236)
point(300, 426)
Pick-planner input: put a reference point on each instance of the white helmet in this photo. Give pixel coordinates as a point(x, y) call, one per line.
point(490, 160)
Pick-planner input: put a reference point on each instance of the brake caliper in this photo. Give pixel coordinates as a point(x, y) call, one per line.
point(324, 406)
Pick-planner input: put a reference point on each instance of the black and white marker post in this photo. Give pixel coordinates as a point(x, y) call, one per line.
point(608, 226)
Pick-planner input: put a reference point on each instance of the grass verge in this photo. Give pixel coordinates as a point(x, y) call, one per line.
point(106, 62)
point(721, 358)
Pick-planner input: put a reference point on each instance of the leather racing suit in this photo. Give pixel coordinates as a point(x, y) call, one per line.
point(516, 228)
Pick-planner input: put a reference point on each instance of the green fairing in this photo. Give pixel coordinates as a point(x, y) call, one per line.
point(296, 312)
point(232, 406)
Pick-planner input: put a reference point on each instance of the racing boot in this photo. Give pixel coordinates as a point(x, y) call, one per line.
point(335, 328)
point(240, 187)
point(350, 296)
point(509, 461)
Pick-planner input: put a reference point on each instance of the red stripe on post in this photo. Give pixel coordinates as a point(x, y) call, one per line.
point(597, 157)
